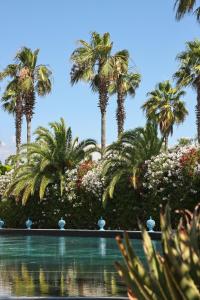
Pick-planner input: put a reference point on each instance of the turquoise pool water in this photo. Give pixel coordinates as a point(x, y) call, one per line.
point(60, 266)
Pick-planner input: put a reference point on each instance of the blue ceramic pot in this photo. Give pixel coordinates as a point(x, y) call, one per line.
point(101, 223)
point(29, 224)
point(150, 224)
point(61, 224)
point(1, 224)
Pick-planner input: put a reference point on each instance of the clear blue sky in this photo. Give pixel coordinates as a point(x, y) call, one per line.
point(146, 28)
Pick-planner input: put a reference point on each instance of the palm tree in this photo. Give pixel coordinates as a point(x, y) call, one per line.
point(166, 108)
point(12, 100)
point(123, 84)
point(34, 79)
point(186, 6)
point(92, 64)
point(50, 156)
point(126, 157)
point(188, 73)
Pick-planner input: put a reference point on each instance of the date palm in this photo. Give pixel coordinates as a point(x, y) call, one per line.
point(188, 73)
point(50, 156)
point(123, 84)
point(125, 158)
point(34, 80)
point(92, 64)
point(186, 6)
point(12, 101)
point(165, 107)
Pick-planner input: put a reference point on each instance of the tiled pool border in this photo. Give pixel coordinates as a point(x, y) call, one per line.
point(156, 235)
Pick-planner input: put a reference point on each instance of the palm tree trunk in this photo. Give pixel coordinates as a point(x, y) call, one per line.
point(120, 113)
point(29, 110)
point(198, 114)
point(103, 101)
point(18, 123)
point(103, 131)
point(166, 141)
point(28, 130)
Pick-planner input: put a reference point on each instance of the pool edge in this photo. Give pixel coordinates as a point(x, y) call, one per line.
point(156, 235)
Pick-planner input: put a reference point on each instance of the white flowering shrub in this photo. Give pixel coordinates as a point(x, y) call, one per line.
point(86, 177)
point(93, 181)
point(71, 178)
point(175, 173)
point(5, 180)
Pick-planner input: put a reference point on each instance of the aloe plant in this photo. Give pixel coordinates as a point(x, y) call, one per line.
point(174, 275)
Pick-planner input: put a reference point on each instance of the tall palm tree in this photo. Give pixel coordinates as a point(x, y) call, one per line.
point(126, 157)
point(188, 73)
point(186, 6)
point(34, 80)
point(12, 101)
point(92, 64)
point(123, 84)
point(50, 156)
point(165, 107)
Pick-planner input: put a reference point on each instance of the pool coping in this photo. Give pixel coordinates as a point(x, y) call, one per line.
point(155, 235)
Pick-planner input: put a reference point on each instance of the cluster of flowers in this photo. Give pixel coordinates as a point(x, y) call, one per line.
point(177, 169)
point(5, 180)
point(86, 176)
point(93, 181)
point(71, 179)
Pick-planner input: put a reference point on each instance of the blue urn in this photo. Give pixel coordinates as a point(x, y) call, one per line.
point(61, 224)
point(1, 224)
point(150, 224)
point(29, 223)
point(101, 223)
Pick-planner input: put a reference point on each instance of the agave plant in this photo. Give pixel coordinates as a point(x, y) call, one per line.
point(174, 275)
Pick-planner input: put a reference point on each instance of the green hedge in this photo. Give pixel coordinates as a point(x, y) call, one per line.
point(122, 212)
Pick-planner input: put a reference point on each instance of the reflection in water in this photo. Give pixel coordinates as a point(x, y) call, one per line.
point(102, 246)
point(60, 266)
point(61, 242)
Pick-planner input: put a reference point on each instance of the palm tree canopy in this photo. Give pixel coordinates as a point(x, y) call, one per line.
point(186, 6)
point(129, 82)
point(11, 91)
point(189, 70)
point(53, 152)
point(165, 107)
point(33, 77)
point(120, 75)
point(92, 58)
point(126, 156)
point(9, 97)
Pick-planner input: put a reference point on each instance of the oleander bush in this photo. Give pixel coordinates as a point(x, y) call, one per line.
point(172, 176)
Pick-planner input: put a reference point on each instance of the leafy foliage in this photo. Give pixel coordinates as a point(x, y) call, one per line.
point(188, 73)
point(125, 157)
point(175, 274)
point(165, 107)
point(123, 83)
point(49, 157)
point(4, 168)
point(186, 6)
point(92, 64)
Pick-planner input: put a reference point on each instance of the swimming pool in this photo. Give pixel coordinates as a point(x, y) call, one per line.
point(60, 266)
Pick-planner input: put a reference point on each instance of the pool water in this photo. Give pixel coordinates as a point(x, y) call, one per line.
point(61, 266)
